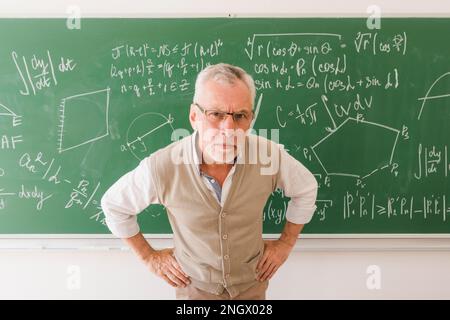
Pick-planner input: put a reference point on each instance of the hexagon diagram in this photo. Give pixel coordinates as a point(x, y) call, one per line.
point(356, 148)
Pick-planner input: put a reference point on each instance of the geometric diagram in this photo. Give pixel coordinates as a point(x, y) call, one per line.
point(356, 148)
point(83, 119)
point(443, 91)
point(5, 111)
point(149, 132)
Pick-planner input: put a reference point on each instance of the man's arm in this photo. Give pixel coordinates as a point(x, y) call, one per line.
point(160, 262)
point(276, 252)
point(290, 233)
point(121, 204)
point(126, 198)
point(299, 184)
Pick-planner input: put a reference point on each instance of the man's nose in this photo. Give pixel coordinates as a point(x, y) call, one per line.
point(228, 122)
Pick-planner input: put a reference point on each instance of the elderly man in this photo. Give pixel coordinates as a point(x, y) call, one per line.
point(214, 185)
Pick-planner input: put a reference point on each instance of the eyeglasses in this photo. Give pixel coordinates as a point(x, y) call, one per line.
point(217, 116)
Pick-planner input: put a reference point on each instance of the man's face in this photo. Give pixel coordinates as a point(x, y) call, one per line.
point(219, 140)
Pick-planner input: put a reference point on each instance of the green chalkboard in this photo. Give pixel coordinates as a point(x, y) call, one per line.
point(367, 111)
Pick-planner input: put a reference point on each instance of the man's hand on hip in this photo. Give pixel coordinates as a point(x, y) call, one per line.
point(275, 254)
point(163, 264)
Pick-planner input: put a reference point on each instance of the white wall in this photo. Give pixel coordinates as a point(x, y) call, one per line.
point(306, 275)
point(223, 8)
point(326, 269)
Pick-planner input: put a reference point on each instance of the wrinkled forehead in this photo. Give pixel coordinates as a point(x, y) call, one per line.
point(225, 96)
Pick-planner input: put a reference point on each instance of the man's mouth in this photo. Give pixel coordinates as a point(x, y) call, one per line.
point(226, 146)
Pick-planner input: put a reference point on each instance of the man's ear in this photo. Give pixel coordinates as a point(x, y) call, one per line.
point(193, 117)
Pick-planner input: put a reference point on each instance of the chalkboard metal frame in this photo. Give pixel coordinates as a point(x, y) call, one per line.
point(311, 243)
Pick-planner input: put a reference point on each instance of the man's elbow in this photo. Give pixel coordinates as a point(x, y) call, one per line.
point(314, 183)
point(105, 204)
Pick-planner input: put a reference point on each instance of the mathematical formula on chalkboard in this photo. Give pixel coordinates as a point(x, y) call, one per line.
point(367, 111)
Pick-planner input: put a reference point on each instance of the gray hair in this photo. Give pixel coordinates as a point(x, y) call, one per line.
point(225, 73)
